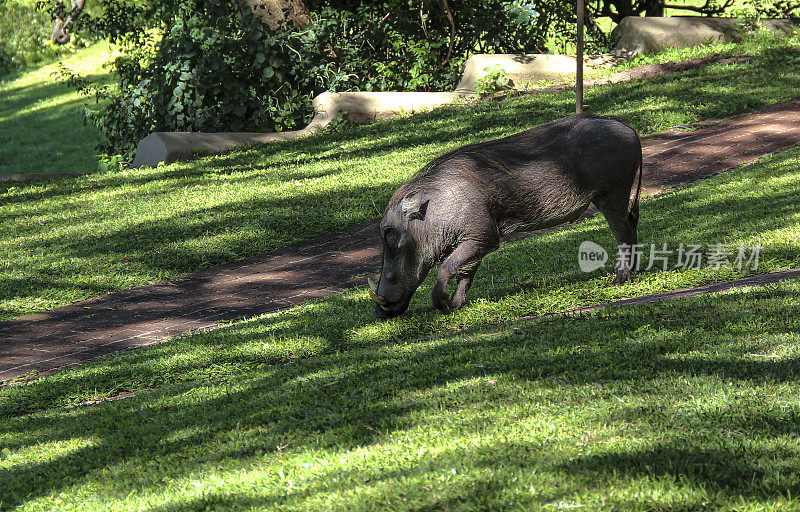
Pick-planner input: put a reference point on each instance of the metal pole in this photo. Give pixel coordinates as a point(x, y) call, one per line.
point(579, 58)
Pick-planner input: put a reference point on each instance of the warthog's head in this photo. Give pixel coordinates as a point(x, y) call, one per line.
point(407, 253)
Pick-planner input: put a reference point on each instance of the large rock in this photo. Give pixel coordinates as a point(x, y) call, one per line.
point(638, 34)
point(523, 70)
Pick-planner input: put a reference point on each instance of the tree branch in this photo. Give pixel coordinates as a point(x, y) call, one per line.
point(709, 8)
point(61, 28)
point(452, 23)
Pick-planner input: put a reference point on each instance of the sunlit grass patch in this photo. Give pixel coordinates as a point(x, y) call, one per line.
point(42, 128)
point(752, 206)
point(682, 405)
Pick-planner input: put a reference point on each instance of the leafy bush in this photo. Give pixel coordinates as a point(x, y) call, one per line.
point(216, 68)
point(416, 45)
point(494, 81)
point(751, 11)
point(6, 60)
point(777, 9)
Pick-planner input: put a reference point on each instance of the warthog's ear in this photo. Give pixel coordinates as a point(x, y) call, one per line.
point(414, 205)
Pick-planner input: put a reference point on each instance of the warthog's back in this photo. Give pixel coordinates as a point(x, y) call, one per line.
point(543, 176)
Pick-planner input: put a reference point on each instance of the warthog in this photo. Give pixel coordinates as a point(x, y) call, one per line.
point(456, 209)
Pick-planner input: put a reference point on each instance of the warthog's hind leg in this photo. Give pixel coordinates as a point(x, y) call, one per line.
point(623, 226)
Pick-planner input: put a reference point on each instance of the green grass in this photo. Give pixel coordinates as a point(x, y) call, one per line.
point(682, 406)
point(687, 405)
point(67, 240)
point(42, 129)
point(754, 205)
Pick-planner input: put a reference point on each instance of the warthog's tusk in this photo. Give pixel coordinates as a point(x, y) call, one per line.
point(378, 299)
point(373, 294)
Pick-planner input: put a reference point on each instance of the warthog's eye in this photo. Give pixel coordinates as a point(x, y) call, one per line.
point(392, 237)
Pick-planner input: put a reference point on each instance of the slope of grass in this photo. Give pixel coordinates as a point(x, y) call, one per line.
point(71, 239)
point(42, 128)
point(687, 405)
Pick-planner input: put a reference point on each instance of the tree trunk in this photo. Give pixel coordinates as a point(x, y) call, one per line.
point(62, 27)
point(654, 8)
point(276, 12)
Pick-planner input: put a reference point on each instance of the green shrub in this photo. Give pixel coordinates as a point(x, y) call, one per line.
point(411, 45)
point(216, 68)
point(6, 60)
point(777, 8)
point(494, 81)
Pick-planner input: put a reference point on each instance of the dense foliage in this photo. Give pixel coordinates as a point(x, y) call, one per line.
point(776, 9)
point(421, 45)
point(214, 69)
point(212, 65)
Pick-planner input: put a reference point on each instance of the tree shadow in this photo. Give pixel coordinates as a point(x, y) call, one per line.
point(168, 246)
point(344, 394)
point(352, 391)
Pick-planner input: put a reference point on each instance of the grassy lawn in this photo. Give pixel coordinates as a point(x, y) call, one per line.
point(754, 205)
point(685, 405)
point(41, 121)
point(66, 240)
point(690, 405)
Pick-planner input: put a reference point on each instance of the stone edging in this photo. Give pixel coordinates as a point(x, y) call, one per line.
point(169, 147)
point(360, 106)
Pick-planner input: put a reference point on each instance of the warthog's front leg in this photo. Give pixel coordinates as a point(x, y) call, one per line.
point(462, 264)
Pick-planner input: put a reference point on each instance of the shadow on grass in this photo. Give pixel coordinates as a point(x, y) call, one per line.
point(707, 213)
point(328, 377)
point(727, 470)
point(225, 405)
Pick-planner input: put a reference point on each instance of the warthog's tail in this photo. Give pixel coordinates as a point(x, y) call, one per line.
point(633, 215)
